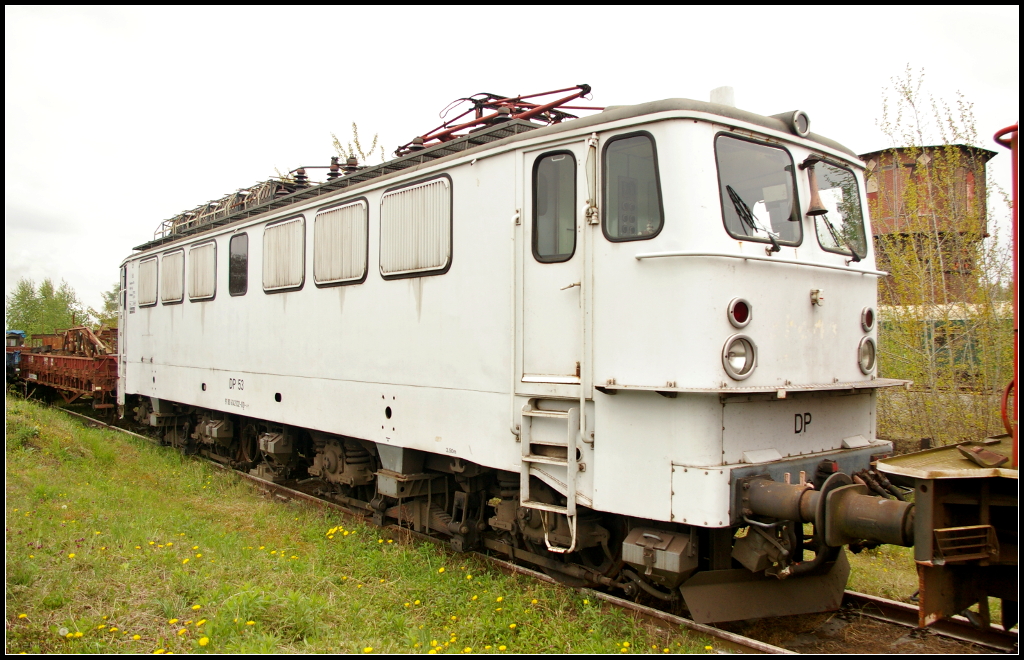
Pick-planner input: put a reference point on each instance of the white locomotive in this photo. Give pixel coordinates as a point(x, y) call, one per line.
point(572, 344)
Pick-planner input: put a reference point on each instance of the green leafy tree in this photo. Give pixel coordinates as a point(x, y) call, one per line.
point(43, 309)
point(945, 324)
point(108, 314)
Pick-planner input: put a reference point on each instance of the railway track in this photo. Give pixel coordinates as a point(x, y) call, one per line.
point(874, 608)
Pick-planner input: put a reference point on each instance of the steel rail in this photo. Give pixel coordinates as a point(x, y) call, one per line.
point(958, 627)
point(874, 607)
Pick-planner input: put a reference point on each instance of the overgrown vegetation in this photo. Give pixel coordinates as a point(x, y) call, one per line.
point(40, 309)
point(946, 323)
point(115, 545)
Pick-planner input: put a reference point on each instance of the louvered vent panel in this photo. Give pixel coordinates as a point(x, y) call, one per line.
point(172, 276)
point(147, 282)
point(415, 228)
point(339, 244)
point(202, 271)
point(283, 255)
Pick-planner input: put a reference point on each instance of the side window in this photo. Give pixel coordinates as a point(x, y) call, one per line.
point(147, 282)
point(172, 277)
point(632, 192)
point(758, 191)
point(284, 255)
point(554, 207)
point(238, 265)
point(416, 229)
point(339, 245)
point(124, 286)
point(202, 271)
point(842, 228)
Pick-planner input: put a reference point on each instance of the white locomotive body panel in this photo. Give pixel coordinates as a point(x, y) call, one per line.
point(445, 361)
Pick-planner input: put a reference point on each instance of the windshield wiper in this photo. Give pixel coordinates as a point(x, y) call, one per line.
point(747, 216)
point(840, 241)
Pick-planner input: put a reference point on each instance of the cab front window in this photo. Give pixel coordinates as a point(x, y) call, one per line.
point(758, 192)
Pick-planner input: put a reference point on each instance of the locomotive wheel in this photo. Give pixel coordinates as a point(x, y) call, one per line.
point(248, 450)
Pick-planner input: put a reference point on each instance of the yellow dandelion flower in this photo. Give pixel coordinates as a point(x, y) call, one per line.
point(31, 556)
point(441, 570)
point(203, 641)
point(586, 601)
point(487, 648)
point(236, 619)
point(665, 651)
point(359, 586)
point(502, 647)
point(473, 598)
point(138, 547)
point(103, 548)
point(188, 622)
point(250, 623)
point(512, 626)
point(391, 540)
point(70, 635)
point(499, 599)
point(152, 542)
point(273, 552)
point(468, 649)
point(455, 618)
point(113, 630)
point(330, 537)
point(432, 652)
point(345, 534)
point(294, 556)
point(624, 650)
point(158, 652)
point(469, 577)
point(101, 626)
point(498, 609)
point(380, 540)
point(168, 544)
point(182, 534)
point(78, 633)
point(625, 645)
point(196, 607)
point(182, 631)
point(172, 621)
point(433, 642)
point(533, 602)
point(195, 547)
point(200, 622)
point(199, 554)
point(368, 649)
point(159, 546)
point(97, 532)
point(71, 556)
point(185, 560)
point(708, 648)
point(25, 616)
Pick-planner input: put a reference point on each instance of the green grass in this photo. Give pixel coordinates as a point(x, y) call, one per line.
point(115, 545)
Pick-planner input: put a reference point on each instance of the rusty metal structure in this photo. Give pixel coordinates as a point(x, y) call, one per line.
point(79, 364)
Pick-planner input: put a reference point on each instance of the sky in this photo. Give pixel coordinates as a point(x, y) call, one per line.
point(117, 119)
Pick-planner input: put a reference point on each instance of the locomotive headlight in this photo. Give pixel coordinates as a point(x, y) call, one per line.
point(867, 319)
point(866, 355)
point(739, 357)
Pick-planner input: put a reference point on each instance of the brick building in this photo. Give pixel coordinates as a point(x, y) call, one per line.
point(928, 205)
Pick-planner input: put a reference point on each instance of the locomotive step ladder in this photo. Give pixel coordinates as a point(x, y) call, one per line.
point(529, 468)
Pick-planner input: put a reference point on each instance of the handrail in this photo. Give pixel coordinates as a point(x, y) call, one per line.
point(753, 257)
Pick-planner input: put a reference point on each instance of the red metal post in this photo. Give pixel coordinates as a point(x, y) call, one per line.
point(1011, 143)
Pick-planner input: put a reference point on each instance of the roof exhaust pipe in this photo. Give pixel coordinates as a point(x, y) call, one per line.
point(724, 96)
